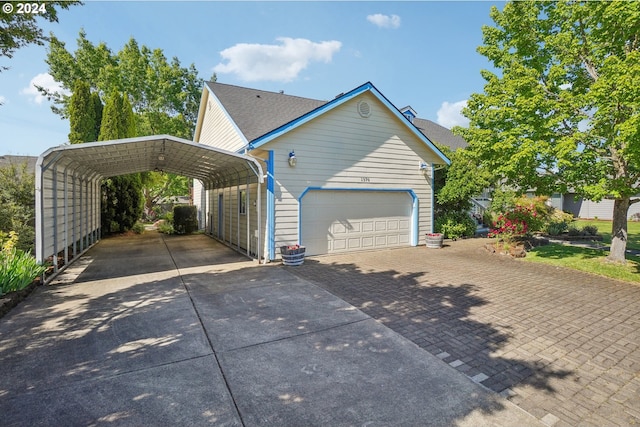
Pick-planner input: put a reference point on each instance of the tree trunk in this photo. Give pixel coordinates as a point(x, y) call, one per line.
point(619, 230)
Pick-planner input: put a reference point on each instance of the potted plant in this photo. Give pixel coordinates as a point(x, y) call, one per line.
point(292, 255)
point(434, 240)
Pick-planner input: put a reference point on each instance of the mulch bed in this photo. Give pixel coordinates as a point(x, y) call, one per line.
point(518, 248)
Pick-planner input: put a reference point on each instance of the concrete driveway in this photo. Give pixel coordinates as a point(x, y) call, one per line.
point(563, 345)
point(155, 330)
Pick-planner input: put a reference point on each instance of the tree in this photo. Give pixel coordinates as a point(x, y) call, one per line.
point(82, 114)
point(157, 186)
point(118, 120)
point(121, 195)
point(164, 95)
point(19, 29)
point(563, 109)
point(17, 203)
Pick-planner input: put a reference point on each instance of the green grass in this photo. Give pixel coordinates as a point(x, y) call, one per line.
point(587, 260)
point(604, 228)
point(593, 260)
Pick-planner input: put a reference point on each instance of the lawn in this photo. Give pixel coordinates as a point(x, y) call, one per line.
point(604, 228)
point(585, 259)
point(593, 260)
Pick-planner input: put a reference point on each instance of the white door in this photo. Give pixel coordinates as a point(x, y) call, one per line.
point(339, 221)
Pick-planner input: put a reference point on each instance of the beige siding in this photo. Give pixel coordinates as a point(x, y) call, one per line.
point(341, 149)
point(229, 225)
point(217, 129)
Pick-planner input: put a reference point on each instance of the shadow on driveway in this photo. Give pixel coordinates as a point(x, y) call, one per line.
point(206, 342)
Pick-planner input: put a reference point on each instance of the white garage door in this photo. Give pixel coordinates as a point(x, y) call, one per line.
point(341, 221)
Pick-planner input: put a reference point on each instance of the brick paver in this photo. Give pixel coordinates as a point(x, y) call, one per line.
point(563, 345)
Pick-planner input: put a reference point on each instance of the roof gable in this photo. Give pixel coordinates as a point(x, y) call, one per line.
point(367, 87)
point(257, 112)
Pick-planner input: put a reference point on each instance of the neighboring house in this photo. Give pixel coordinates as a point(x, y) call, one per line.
point(19, 161)
point(582, 208)
point(353, 173)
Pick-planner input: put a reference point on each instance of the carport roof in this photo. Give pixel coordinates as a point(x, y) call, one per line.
point(153, 153)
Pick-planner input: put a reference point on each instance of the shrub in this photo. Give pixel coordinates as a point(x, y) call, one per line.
point(556, 228)
point(530, 214)
point(590, 230)
point(573, 231)
point(185, 219)
point(17, 204)
point(454, 225)
point(17, 268)
point(166, 228)
point(122, 203)
point(517, 222)
point(138, 228)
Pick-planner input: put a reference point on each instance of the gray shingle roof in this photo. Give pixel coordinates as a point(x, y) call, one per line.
point(257, 112)
point(439, 134)
point(18, 161)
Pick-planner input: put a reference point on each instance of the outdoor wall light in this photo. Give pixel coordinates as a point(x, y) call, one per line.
point(161, 157)
point(423, 166)
point(292, 159)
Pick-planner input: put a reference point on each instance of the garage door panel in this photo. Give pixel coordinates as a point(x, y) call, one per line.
point(339, 221)
point(339, 244)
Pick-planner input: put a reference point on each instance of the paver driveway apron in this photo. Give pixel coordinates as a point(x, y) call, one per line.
point(156, 330)
point(564, 345)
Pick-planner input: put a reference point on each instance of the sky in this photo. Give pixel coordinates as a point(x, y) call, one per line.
point(421, 54)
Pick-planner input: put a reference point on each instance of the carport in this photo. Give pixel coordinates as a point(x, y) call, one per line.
point(68, 179)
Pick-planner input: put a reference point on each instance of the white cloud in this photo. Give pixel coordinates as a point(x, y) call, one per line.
point(3, 100)
point(275, 62)
point(384, 21)
point(449, 114)
point(43, 80)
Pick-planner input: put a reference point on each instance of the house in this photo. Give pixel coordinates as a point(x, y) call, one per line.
point(18, 161)
point(352, 173)
point(588, 209)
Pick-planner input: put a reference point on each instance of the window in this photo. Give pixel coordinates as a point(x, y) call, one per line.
point(242, 202)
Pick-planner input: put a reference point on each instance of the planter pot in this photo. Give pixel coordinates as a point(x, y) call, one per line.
point(434, 240)
point(292, 255)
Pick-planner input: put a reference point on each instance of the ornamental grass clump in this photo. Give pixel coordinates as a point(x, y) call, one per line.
point(17, 268)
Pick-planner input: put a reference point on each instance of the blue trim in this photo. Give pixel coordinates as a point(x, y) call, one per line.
point(414, 206)
point(433, 197)
point(271, 208)
point(256, 143)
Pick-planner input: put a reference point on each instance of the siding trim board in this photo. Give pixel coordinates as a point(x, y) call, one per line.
point(414, 206)
point(271, 208)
